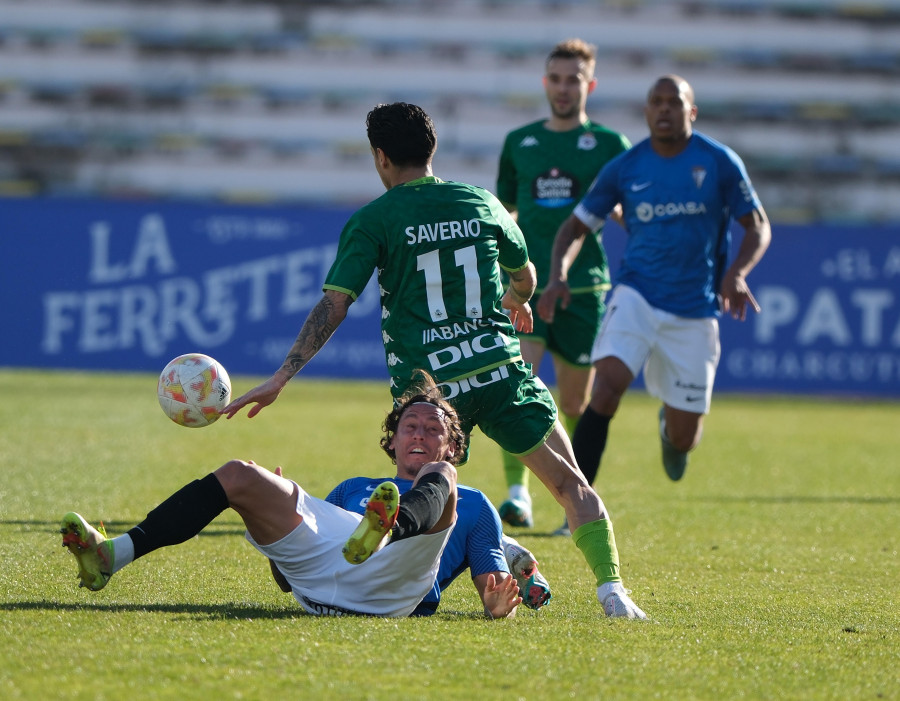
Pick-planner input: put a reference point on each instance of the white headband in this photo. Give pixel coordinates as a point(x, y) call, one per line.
point(436, 407)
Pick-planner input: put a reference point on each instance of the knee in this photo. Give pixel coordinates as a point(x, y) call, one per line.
point(604, 400)
point(443, 468)
point(238, 476)
point(572, 407)
point(611, 380)
point(605, 396)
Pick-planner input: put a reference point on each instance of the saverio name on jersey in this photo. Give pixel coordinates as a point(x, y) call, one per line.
point(442, 231)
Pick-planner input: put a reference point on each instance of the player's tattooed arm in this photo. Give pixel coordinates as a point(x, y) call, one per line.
point(319, 326)
point(325, 317)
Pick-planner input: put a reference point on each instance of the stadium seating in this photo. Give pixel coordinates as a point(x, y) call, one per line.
point(266, 100)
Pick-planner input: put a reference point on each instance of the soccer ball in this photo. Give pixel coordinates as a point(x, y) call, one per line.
point(193, 389)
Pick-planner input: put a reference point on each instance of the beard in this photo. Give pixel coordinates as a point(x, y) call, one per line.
point(571, 111)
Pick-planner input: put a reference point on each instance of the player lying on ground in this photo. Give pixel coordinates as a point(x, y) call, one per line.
point(335, 561)
point(477, 542)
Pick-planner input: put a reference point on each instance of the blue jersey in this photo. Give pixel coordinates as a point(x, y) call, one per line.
point(474, 543)
point(677, 212)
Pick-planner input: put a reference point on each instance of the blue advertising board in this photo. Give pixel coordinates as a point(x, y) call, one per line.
point(830, 320)
point(122, 285)
point(130, 285)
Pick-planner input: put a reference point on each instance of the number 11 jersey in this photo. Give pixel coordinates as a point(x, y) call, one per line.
point(438, 248)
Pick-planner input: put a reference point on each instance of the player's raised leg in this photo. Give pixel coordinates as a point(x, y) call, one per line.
point(265, 500)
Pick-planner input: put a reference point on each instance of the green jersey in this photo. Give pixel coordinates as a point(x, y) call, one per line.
point(438, 248)
point(545, 174)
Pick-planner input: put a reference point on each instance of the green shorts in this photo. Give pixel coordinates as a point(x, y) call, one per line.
point(572, 333)
point(509, 404)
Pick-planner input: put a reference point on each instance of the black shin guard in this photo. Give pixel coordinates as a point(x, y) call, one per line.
point(421, 506)
point(180, 517)
point(589, 442)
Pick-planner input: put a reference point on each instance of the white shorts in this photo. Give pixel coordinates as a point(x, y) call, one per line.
point(679, 355)
point(390, 583)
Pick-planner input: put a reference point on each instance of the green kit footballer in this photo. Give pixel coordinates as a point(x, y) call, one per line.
point(438, 248)
point(545, 168)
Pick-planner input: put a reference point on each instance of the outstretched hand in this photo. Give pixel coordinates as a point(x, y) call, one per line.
point(261, 395)
point(501, 597)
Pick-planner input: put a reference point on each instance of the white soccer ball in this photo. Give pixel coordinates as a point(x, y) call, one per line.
point(193, 389)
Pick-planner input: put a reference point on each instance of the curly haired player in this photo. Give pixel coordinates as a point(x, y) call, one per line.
point(381, 561)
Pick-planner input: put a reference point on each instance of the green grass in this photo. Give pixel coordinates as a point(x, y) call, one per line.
point(770, 572)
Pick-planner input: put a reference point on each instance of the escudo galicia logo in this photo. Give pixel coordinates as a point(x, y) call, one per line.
point(554, 189)
point(587, 142)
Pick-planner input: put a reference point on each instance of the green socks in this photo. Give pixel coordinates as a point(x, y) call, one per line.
point(597, 542)
point(569, 423)
point(515, 470)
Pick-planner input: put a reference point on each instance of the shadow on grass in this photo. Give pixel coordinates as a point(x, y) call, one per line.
point(198, 611)
point(117, 527)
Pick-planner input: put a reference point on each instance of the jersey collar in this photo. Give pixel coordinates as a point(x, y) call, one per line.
point(423, 181)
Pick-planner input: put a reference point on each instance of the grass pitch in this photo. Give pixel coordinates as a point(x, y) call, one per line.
point(771, 571)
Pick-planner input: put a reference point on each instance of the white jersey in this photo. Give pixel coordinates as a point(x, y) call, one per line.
point(390, 583)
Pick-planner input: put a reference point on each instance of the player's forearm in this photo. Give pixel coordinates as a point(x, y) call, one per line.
point(523, 283)
point(319, 326)
point(757, 236)
point(566, 247)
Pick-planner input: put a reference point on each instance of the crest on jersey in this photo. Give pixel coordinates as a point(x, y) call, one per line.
point(587, 142)
point(699, 175)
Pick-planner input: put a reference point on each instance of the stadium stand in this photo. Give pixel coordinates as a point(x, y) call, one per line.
point(265, 101)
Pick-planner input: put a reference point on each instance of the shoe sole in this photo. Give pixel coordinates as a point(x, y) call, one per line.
point(377, 522)
point(533, 588)
point(535, 593)
point(94, 569)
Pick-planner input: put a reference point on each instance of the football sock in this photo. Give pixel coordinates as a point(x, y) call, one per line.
point(421, 507)
point(519, 492)
point(122, 549)
point(570, 423)
point(589, 442)
point(597, 542)
point(515, 471)
point(180, 517)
